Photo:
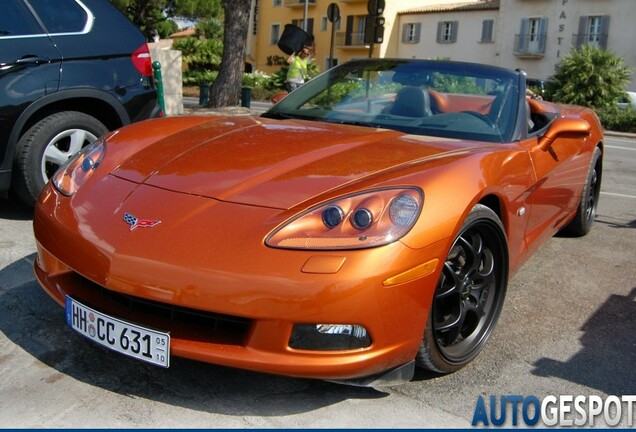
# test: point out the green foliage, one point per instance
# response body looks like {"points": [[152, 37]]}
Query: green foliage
{"points": [[151, 15], [197, 9], [199, 77], [278, 78], [211, 28], [455, 84], [146, 14], [256, 79], [260, 82], [200, 54], [589, 76], [336, 93], [166, 28], [619, 120]]}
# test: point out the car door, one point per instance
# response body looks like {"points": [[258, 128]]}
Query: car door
{"points": [[29, 64], [559, 170]]}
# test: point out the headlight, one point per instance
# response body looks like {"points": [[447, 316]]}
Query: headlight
{"points": [[78, 168], [357, 221]]}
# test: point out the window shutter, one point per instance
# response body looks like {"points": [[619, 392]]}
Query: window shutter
{"points": [[405, 33], [604, 31], [349, 29], [310, 26], [543, 26], [523, 36], [440, 31], [487, 27], [582, 36], [418, 30], [454, 28]]}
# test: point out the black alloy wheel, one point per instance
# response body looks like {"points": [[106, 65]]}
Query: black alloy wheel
{"points": [[586, 211], [469, 294]]}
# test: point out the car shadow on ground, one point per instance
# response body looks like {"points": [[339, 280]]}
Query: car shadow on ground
{"points": [[34, 322], [606, 361]]}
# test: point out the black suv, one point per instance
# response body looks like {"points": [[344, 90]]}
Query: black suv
{"points": [[70, 70]]}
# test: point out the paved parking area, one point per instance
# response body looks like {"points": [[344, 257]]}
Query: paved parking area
{"points": [[568, 328]]}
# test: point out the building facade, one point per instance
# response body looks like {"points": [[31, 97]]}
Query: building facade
{"points": [[533, 35], [269, 17]]}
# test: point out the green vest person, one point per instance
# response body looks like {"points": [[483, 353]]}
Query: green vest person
{"points": [[297, 72]]}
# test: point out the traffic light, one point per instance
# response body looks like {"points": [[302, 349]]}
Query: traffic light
{"points": [[374, 29]]}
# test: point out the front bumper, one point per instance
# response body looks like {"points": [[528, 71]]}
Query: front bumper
{"points": [[209, 257]]}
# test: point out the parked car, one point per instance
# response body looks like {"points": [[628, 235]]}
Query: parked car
{"points": [[366, 223], [628, 101], [537, 86], [70, 70]]}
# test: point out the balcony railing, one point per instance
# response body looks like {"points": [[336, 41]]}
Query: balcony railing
{"points": [[351, 40], [298, 3], [594, 39], [530, 45]]}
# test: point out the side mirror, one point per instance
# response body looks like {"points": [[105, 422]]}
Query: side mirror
{"points": [[566, 128]]}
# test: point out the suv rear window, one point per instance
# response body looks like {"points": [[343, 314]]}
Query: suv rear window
{"points": [[16, 20], [61, 16]]}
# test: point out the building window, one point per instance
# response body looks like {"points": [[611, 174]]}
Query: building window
{"points": [[447, 31], [310, 25], [354, 33], [593, 31], [274, 34], [324, 24], [487, 31], [411, 33], [278, 2], [532, 36]]}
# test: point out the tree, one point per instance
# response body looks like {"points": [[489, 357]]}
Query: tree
{"points": [[149, 15], [144, 13], [589, 76], [226, 88]]}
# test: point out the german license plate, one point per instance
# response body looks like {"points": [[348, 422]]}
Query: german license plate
{"points": [[127, 338]]}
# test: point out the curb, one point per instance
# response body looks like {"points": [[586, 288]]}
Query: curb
{"points": [[615, 134]]}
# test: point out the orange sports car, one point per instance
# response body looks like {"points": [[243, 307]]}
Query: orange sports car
{"points": [[366, 224]]}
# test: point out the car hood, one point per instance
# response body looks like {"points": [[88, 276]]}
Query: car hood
{"points": [[273, 163]]}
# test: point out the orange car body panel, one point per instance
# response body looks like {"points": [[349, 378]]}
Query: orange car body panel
{"points": [[217, 204]]}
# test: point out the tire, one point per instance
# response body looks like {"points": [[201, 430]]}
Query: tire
{"points": [[586, 210], [47, 145], [469, 295]]}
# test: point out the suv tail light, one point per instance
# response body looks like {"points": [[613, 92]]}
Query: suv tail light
{"points": [[142, 61]]}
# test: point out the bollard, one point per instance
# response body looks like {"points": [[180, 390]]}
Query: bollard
{"points": [[204, 94], [156, 67], [246, 96]]}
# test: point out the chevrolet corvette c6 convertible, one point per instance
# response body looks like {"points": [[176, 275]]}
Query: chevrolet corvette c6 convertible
{"points": [[366, 224]]}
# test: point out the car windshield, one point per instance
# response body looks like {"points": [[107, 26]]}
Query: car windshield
{"points": [[422, 97]]}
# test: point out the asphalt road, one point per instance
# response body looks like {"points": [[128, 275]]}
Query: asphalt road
{"points": [[568, 328]]}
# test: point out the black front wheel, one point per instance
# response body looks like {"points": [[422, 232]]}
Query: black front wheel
{"points": [[469, 294]]}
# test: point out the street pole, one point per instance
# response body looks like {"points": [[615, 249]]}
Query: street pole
{"points": [[333, 15]]}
